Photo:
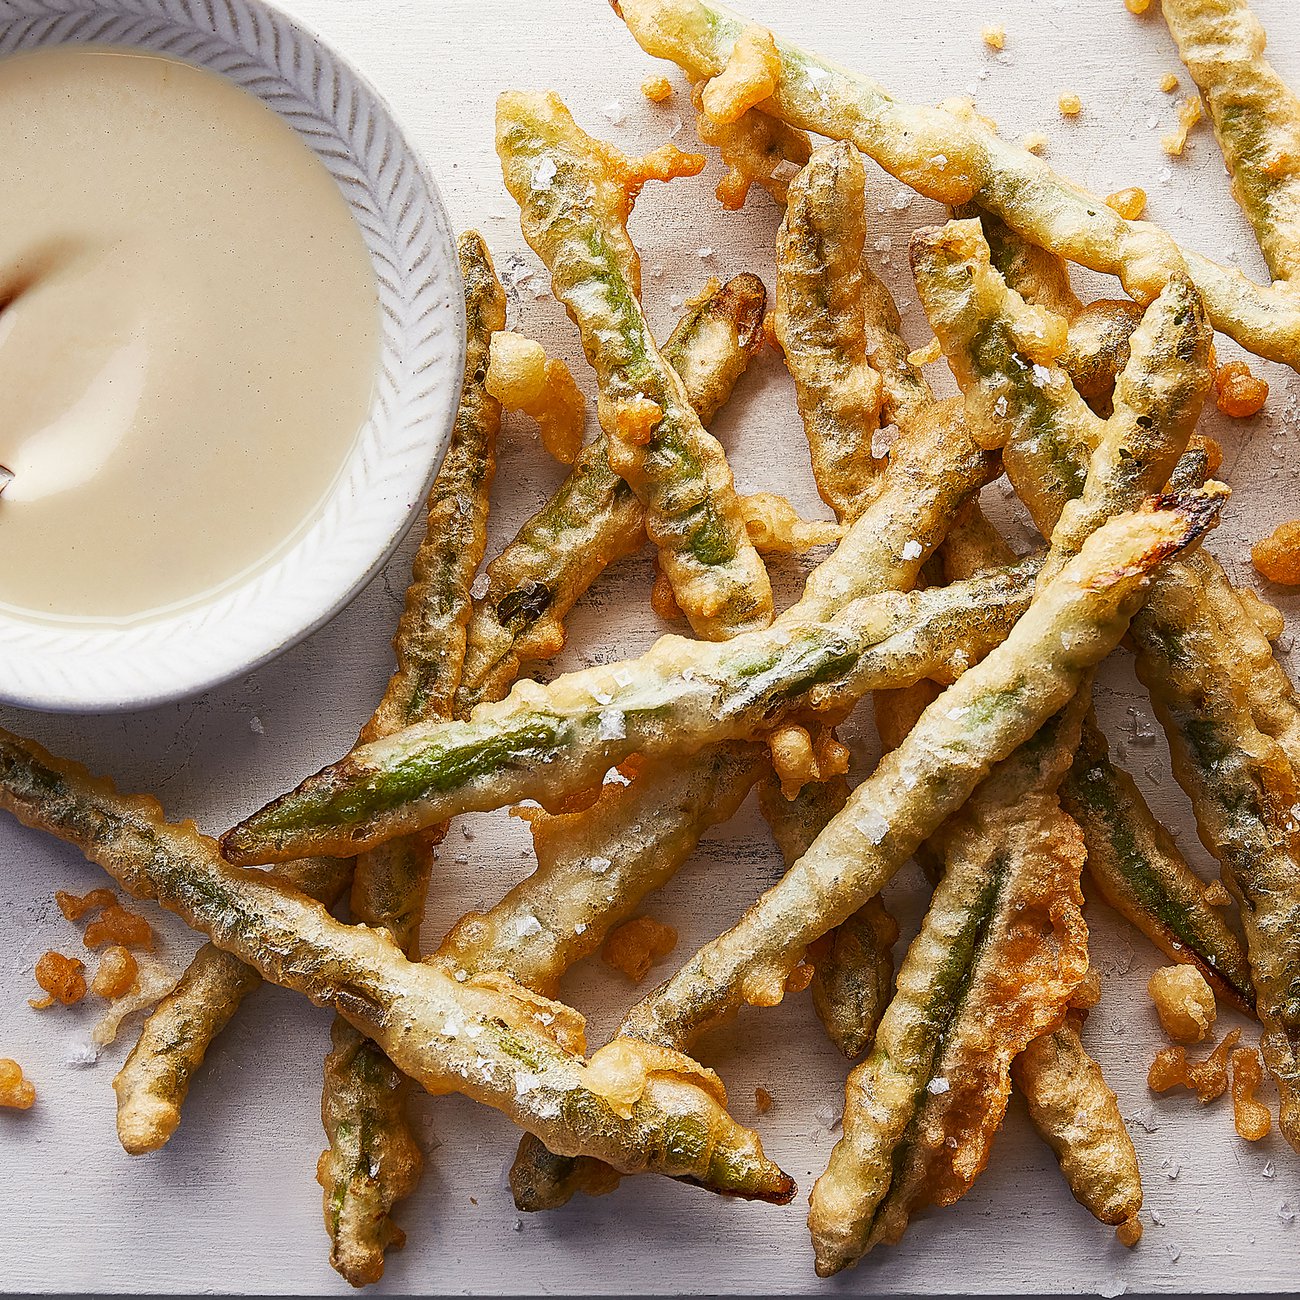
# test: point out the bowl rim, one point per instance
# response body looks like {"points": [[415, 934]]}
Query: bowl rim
{"points": [[383, 482]]}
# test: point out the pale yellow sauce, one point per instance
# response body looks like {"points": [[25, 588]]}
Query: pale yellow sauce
{"points": [[188, 334]]}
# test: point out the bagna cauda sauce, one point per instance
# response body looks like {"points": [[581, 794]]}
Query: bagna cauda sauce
{"points": [[188, 335]]}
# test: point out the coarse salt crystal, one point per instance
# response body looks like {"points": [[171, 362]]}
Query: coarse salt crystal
{"points": [[599, 865], [612, 726], [1000, 406], [82, 1054], [255, 726], [544, 172], [911, 550], [623, 676], [601, 697], [902, 200], [937, 1086], [1041, 374], [527, 925], [526, 1082], [613, 111], [479, 587], [461, 976], [872, 825], [940, 160], [705, 253], [580, 927]]}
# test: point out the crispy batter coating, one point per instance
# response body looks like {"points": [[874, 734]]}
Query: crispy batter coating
{"points": [[1207, 1078], [1000, 951], [1256, 119], [16, 1093], [1277, 556], [955, 160], [820, 321], [992, 709], [994, 35], [762, 1100], [116, 974], [522, 378], [1076, 1112], [62, 979], [1237, 392], [657, 89], [798, 759], [775, 527], [751, 74], [636, 1108], [1190, 111], [637, 945], [593, 518], [1070, 105], [574, 195], [1250, 1117], [74, 906], [756, 149], [1098, 349], [1183, 1002], [153, 980]]}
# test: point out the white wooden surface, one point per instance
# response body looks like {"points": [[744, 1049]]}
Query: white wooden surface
{"points": [[231, 1204]]}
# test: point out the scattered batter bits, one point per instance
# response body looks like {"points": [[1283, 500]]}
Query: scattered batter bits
{"points": [[1250, 1116], [657, 89], [994, 35], [62, 978], [1169, 83], [762, 1100], [117, 973], [1130, 203], [1129, 1233], [1184, 1003], [1035, 142], [75, 906], [1277, 557], [1137, 6], [637, 945], [16, 1093], [798, 758], [522, 378], [116, 925], [751, 75], [1069, 103], [1190, 111], [1208, 1078], [1237, 392]]}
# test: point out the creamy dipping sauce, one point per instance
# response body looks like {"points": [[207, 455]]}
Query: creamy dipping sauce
{"points": [[188, 334]]}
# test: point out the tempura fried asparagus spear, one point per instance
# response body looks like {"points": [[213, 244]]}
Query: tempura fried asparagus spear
{"points": [[487, 1038], [979, 720], [961, 159], [593, 517], [574, 196], [1243, 789], [548, 742], [373, 1159], [1074, 1109], [1001, 949], [594, 867], [853, 965], [155, 1079], [1256, 119], [820, 321], [1141, 874]]}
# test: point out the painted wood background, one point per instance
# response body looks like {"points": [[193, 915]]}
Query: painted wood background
{"points": [[231, 1204]]}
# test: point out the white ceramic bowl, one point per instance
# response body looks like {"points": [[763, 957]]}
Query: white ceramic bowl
{"points": [[397, 452]]}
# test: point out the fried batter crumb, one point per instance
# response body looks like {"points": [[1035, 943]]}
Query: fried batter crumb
{"points": [[1137, 6], [1216, 895], [16, 1093], [662, 599], [1208, 1078], [1129, 1233], [1250, 1116], [752, 73], [75, 906], [1277, 557], [762, 1100], [1237, 392], [522, 378], [1169, 83], [116, 974], [769, 333], [1189, 113], [775, 528], [1183, 1002], [994, 35], [118, 926], [657, 89], [924, 356], [637, 945], [1069, 104], [62, 978], [637, 418], [1130, 203], [799, 978], [1035, 142]]}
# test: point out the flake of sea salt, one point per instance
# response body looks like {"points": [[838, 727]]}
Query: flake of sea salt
{"points": [[937, 1086], [1174, 1252], [902, 200], [1286, 1212], [479, 587], [911, 550], [1157, 1218], [1145, 1119], [1269, 1170], [623, 676], [527, 925], [1165, 175], [255, 726], [612, 725], [599, 865], [82, 1054], [6, 477], [613, 112], [705, 253], [544, 172], [872, 825], [461, 859], [526, 1082]]}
